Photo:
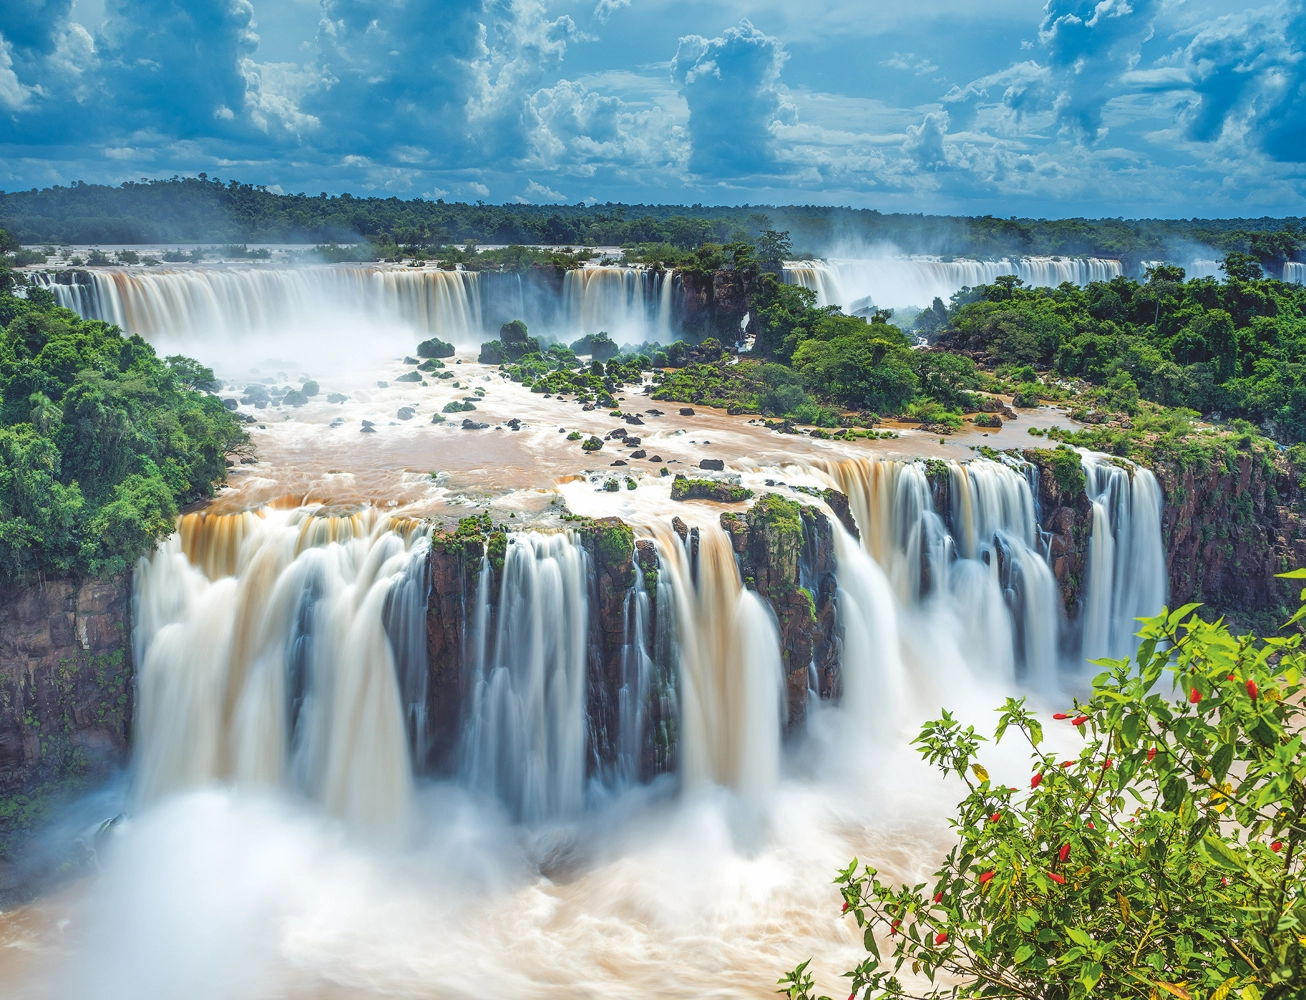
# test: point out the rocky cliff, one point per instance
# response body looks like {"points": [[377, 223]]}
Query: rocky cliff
{"points": [[66, 696]]}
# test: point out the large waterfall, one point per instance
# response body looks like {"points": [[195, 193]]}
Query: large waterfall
{"points": [[1294, 272], [276, 649], [461, 307], [855, 284]]}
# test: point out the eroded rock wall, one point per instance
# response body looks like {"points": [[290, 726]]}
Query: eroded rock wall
{"points": [[66, 693]]}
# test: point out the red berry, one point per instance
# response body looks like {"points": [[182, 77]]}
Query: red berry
{"points": [[1079, 720], [1058, 879], [1253, 690], [1151, 753], [1091, 826], [1230, 677], [1063, 853], [1061, 715], [986, 876], [1035, 781], [940, 937], [1277, 846], [995, 817], [1194, 696]]}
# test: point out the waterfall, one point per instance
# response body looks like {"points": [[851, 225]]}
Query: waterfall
{"points": [[731, 680], [630, 304], [1294, 272], [279, 648], [461, 307], [525, 735], [960, 545], [857, 284], [1126, 576]]}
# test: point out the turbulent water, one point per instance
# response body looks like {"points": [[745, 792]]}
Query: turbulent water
{"points": [[461, 307], [1294, 272], [856, 284], [287, 837]]}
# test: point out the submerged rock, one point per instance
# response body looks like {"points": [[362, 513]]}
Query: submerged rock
{"points": [[686, 411], [712, 464], [473, 425], [405, 413]]}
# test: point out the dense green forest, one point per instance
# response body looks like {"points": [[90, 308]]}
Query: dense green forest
{"points": [[100, 440], [202, 209]]}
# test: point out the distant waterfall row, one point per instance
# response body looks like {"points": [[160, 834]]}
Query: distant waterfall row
{"points": [[893, 282], [462, 307], [290, 648]]}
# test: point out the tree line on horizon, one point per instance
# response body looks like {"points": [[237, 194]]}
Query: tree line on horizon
{"points": [[208, 210]]}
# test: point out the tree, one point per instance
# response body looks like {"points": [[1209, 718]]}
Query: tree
{"points": [[1241, 267], [1164, 860], [773, 247]]}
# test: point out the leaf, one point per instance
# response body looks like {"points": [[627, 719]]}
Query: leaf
{"points": [[1176, 990], [980, 772], [1221, 760], [1250, 992], [1091, 973], [1219, 853], [1124, 906], [1023, 953], [1222, 991], [1080, 937]]}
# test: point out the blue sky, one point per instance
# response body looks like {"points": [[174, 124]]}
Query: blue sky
{"points": [[1120, 107]]}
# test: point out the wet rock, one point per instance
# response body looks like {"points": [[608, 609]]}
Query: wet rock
{"points": [[473, 425], [338, 422], [656, 458], [619, 434], [588, 407], [654, 413], [632, 418], [412, 361], [437, 418], [230, 404], [368, 423], [383, 385], [680, 528], [260, 404], [620, 461], [367, 430], [410, 377], [686, 411], [632, 442], [640, 453], [515, 424], [310, 388], [714, 464], [406, 413]]}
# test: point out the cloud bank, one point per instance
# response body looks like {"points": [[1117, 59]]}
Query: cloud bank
{"points": [[1107, 107]]}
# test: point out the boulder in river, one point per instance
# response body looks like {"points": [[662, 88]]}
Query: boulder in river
{"points": [[714, 464], [473, 425], [230, 404], [405, 413], [686, 411]]}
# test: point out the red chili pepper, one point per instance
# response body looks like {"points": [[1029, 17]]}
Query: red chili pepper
{"points": [[1060, 715], [1277, 846], [1194, 696], [845, 908], [1230, 677], [1067, 763], [1063, 853], [995, 817], [1035, 781], [1224, 881], [1151, 754], [940, 937], [1079, 720], [1106, 766], [1058, 879], [938, 896], [893, 928], [986, 876], [1253, 690]]}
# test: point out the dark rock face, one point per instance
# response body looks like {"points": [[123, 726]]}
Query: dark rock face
{"points": [[1067, 517], [1230, 524], [66, 695], [786, 554], [711, 304]]}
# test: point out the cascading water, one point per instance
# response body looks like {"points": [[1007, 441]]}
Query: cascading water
{"points": [[525, 735], [461, 307], [1126, 576], [1294, 272], [966, 552], [731, 678], [857, 284], [630, 304], [278, 649]]}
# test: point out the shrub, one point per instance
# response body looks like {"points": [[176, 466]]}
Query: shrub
{"points": [[1164, 859], [434, 348]]}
